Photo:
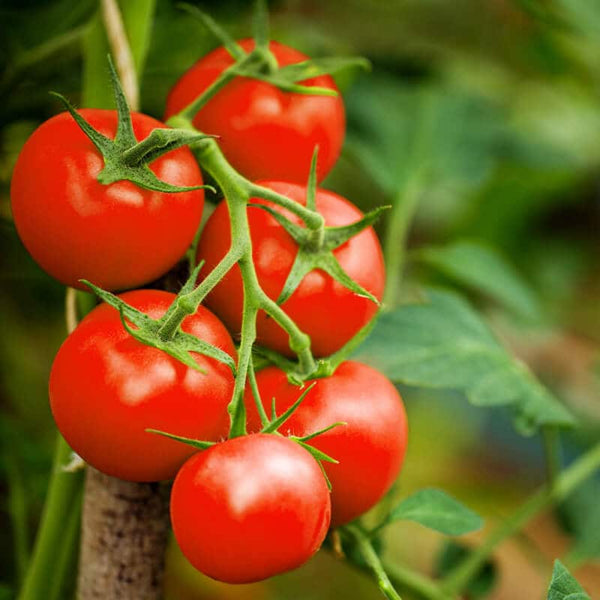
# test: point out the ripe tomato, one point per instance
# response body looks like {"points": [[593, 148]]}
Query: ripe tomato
{"points": [[106, 388], [323, 308], [264, 132], [118, 235], [370, 447], [249, 508]]}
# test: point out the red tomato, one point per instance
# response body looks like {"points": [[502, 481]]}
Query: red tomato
{"points": [[106, 388], [264, 132], [249, 508], [323, 308], [118, 235], [370, 448]]}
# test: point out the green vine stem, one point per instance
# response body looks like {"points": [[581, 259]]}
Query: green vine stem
{"points": [[61, 501], [237, 191], [551, 441], [363, 544], [406, 201], [566, 483], [404, 577]]}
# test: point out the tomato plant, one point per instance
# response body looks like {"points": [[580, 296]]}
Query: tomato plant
{"points": [[297, 275], [250, 508], [319, 301], [117, 235], [265, 133], [372, 441], [107, 388]]}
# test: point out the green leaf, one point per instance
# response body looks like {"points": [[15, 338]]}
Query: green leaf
{"points": [[484, 269], [437, 510], [443, 343], [564, 586]]}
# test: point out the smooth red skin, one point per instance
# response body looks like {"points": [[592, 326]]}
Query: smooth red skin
{"points": [[106, 388], [321, 307], [370, 448], [250, 508], [117, 236], [265, 133]]}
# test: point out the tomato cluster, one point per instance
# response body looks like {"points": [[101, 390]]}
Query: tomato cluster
{"points": [[255, 505]]}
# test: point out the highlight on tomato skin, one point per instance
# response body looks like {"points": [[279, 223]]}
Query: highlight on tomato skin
{"points": [[250, 508], [323, 308], [265, 133], [118, 236], [106, 388], [370, 448]]}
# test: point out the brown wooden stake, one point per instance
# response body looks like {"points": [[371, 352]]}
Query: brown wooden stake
{"points": [[125, 527]]}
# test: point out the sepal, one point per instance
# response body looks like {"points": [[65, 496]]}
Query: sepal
{"points": [[147, 331]]}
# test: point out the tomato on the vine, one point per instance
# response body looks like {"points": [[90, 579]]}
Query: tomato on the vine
{"points": [[107, 388], [370, 447], [264, 132], [250, 508], [321, 307], [118, 235]]}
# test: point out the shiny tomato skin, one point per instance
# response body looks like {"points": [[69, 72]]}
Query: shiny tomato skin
{"points": [[265, 133], [250, 508], [106, 388], [323, 308], [117, 236], [370, 448]]}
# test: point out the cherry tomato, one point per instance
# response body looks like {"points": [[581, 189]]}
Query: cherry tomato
{"points": [[106, 389], [370, 447], [323, 308], [249, 508], [264, 132], [116, 236]]}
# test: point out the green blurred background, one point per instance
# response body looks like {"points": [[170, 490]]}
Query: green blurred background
{"points": [[510, 162]]}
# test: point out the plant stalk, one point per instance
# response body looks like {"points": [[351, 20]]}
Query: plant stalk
{"points": [[61, 501], [406, 203], [372, 560]]}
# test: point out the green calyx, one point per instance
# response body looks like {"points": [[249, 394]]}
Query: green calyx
{"points": [[316, 245], [165, 333], [315, 251], [261, 64], [271, 426], [124, 157]]}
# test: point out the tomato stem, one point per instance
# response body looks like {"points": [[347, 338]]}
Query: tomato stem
{"points": [[190, 111], [187, 304], [264, 419], [237, 191], [312, 219], [372, 559]]}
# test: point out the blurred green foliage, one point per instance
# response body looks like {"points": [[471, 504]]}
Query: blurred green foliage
{"points": [[495, 102]]}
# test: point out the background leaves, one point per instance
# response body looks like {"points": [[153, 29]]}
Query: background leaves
{"points": [[443, 343]]}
